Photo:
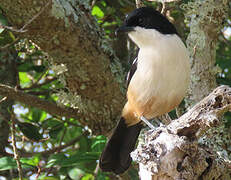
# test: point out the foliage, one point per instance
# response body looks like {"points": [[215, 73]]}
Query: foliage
{"points": [[41, 137]]}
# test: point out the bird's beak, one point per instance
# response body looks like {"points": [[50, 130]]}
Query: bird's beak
{"points": [[124, 29]]}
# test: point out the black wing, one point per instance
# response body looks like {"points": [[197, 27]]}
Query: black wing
{"points": [[131, 72]]}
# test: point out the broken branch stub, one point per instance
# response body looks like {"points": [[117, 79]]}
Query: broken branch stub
{"points": [[172, 152]]}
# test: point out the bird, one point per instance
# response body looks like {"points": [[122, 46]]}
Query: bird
{"points": [[157, 82]]}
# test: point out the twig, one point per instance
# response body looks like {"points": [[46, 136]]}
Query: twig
{"points": [[37, 15], [12, 29], [22, 30], [41, 76], [37, 85], [10, 44], [3, 99], [16, 155], [93, 3], [96, 169], [62, 137], [163, 10], [39, 172], [59, 148], [55, 149], [39, 93]]}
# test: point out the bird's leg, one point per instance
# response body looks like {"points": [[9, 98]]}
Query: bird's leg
{"points": [[142, 118]]}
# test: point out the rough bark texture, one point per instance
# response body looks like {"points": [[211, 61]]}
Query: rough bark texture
{"points": [[206, 22], [173, 152], [69, 34], [33, 101]]}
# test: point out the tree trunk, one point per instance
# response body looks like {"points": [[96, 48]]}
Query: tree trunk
{"points": [[70, 35], [206, 22]]}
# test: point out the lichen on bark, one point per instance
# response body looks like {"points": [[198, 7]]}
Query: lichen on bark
{"points": [[94, 72], [205, 22]]}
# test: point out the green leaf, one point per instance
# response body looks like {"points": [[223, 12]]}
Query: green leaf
{"points": [[88, 177], [102, 176], [76, 174], [25, 67], [33, 161], [37, 114], [49, 123], [6, 37], [84, 144], [23, 78], [38, 68], [98, 143], [30, 131], [96, 11], [49, 178], [54, 126], [82, 157], [56, 159], [54, 131], [7, 163], [84, 161], [73, 131]]}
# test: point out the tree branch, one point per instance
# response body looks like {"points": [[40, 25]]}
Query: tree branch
{"points": [[37, 85], [70, 35], [170, 152], [23, 29], [34, 101], [16, 155]]}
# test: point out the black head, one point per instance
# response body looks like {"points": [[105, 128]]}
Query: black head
{"points": [[148, 18]]}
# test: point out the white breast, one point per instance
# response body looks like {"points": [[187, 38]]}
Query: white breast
{"points": [[163, 71]]}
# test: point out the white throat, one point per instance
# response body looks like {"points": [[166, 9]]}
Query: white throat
{"points": [[145, 37]]}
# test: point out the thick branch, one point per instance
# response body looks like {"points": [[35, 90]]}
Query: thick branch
{"points": [[204, 115], [173, 152], [34, 101], [70, 35]]}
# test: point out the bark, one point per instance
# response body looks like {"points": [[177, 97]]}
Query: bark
{"points": [[173, 152], [33, 101], [70, 35], [206, 21]]}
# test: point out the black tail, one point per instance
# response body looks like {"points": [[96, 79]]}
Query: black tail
{"points": [[116, 155]]}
